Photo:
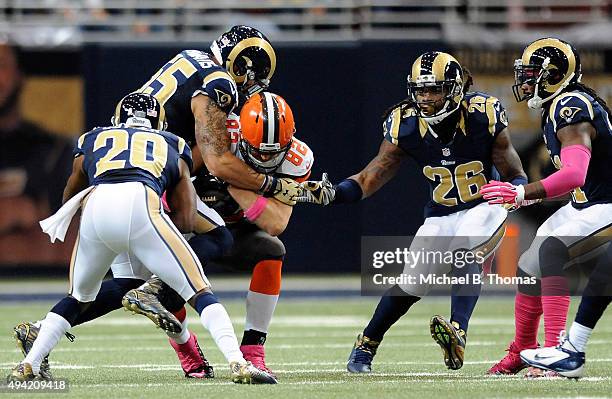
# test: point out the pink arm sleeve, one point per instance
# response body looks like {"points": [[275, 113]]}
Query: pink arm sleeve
{"points": [[575, 163]]}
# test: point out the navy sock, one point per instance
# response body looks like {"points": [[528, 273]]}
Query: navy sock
{"points": [[108, 299], [212, 245], [591, 309], [465, 296], [203, 300], [69, 308], [393, 305], [597, 293]]}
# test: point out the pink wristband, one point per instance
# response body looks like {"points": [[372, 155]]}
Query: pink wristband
{"points": [[575, 164], [164, 201], [256, 209]]}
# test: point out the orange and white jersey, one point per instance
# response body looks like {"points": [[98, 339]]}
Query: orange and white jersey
{"points": [[298, 160]]}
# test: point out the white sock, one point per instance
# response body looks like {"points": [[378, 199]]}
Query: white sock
{"points": [[579, 336], [216, 320], [181, 337], [51, 331], [259, 311]]}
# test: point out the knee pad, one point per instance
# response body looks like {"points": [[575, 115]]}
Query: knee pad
{"points": [[553, 255], [528, 289], [270, 248]]}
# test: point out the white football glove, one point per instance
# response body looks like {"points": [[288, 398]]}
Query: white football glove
{"points": [[320, 192]]}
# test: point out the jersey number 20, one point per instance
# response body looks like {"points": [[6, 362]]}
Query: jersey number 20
{"points": [[154, 162]]}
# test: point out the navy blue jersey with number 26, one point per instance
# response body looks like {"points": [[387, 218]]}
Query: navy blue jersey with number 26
{"points": [[120, 154]]}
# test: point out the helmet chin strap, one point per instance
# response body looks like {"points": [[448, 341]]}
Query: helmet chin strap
{"points": [[434, 120], [536, 101]]}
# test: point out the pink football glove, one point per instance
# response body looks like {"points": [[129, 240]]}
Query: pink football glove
{"points": [[499, 192]]}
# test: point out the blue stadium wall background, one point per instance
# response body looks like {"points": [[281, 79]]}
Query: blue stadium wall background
{"points": [[338, 92]]}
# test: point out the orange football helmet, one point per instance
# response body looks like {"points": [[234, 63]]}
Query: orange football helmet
{"points": [[267, 129]]}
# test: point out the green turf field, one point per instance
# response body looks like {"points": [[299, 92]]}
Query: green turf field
{"points": [[124, 356]]}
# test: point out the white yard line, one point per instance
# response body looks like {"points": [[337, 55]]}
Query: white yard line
{"points": [[320, 321], [277, 346]]}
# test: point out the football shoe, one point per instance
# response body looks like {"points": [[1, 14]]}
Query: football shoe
{"points": [[451, 339], [193, 362], [22, 372], [360, 359], [25, 334], [564, 358], [536, 372], [246, 373], [509, 364], [147, 304], [257, 356]]}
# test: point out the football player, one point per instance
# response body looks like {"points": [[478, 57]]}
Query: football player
{"points": [[119, 175], [578, 136], [456, 137], [197, 90], [264, 138]]}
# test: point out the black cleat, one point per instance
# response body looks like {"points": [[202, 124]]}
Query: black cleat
{"points": [[451, 339], [25, 334], [360, 359], [146, 304], [22, 372]]}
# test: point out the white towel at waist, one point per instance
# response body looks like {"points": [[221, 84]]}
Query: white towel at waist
{"points": [[57, 224]]}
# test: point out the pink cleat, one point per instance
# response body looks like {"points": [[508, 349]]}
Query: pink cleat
{"points": [[192, 359], [256, 355], [534, 372], [510, 364]]}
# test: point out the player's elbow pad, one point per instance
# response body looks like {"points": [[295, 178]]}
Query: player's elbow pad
{"points": [[575, 164]]}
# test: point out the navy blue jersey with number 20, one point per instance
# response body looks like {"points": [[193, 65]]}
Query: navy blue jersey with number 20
{"points": [[120, 154]]}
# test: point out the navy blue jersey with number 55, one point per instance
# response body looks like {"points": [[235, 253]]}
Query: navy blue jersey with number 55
{"points": [[120, 154], [190, 73]]}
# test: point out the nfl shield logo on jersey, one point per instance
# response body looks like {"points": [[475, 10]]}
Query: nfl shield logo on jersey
{"points": [[446, 152]]}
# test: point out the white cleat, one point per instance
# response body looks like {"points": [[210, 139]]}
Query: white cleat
{"points": [[563, 358]]}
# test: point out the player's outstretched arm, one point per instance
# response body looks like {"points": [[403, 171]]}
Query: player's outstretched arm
{"points": [[182, 200], [575, 156], [214, 144], [365, 183], [381, 169], [77, 181], [268, 214]]}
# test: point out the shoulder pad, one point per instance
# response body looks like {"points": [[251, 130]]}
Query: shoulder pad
{"points": [[486, 110], [402, 122], [571, 108], [200, 57], [221, 88]]}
